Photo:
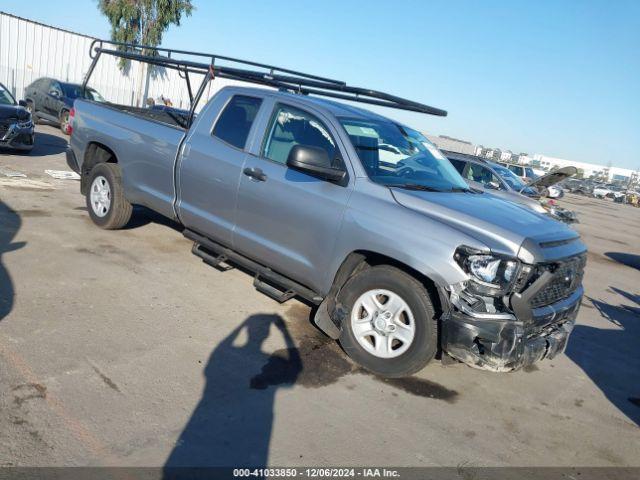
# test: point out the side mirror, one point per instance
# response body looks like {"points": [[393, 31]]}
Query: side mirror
{"points": [[22, 103], [493, 185], [314, 161]]}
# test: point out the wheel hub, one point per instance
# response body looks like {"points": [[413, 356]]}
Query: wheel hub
{"points": [[382, 323]]}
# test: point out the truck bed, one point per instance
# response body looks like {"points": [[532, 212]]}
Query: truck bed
{"points": [[169, 116]]}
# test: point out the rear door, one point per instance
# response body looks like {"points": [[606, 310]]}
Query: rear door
{"points": [[211, 164], [287, 219]]}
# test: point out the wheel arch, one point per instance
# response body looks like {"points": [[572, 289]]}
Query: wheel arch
{"points": [[95, 153], [360, 260]]}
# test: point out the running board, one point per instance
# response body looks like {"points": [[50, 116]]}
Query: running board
{"points": [[279, 287], [269, 290], [219, 262]]}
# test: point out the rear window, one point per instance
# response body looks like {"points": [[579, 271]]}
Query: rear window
{"points": [[236, 119]]}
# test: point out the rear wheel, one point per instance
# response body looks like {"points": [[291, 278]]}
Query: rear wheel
{"points": [[64, 122], [105, 200], [391, 327]]}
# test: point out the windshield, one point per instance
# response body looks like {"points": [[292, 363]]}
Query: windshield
{"points": [[5, 96], [393, 155], [508, 176], [75, 91]]}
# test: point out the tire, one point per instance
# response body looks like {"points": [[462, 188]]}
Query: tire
{"points": [[31, 108], [105, 200], [403, 358], [64, 121]]}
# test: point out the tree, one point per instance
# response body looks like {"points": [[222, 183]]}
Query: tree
{"points": [[143, 22]]}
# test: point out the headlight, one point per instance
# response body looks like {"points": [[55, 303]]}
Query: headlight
{"points": [[490, 274]]}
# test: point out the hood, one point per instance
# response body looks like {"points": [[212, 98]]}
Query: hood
{"points": [[501, 225], [554, 177], [13, 112]]}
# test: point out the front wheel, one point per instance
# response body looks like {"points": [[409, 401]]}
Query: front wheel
{"points": [[391, 327], [106, 204], [31, 109]]}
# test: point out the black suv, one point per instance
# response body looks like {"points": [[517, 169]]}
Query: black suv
{"points": [[52, 100]]}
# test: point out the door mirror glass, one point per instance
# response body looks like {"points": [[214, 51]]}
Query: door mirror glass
{"points": [[493, 185], [22, 103], [314, 161]]}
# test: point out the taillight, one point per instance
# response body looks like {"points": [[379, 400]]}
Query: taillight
{"points": [[72, 113]]}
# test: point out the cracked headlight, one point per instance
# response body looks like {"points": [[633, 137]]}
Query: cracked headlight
{"points": [[489, 274]]}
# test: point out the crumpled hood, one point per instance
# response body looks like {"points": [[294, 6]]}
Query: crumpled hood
{"points": [[13, 112], [501, 225]]}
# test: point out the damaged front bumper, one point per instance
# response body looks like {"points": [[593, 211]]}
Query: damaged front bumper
{"points": [[17, 138], [503, 344]]}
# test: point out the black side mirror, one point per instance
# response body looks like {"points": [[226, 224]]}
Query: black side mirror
{"points": [[314, 161], [22, 103]]}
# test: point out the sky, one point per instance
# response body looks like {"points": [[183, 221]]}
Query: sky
{"points": [[560, 78]]}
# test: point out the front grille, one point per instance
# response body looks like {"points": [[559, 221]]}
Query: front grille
{"points": [[567, 277]]}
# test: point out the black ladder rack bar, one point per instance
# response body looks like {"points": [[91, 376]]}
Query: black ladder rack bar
{"points": [[280, 78]]}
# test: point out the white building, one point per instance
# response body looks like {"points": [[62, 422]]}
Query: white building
{"points": [[607, 173]]}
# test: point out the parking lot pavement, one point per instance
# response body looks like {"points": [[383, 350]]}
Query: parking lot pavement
{"points": [[122, 348]]}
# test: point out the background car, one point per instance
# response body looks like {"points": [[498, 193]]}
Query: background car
{"points": [[52, 100], [524, 172], [16, 126], [504, 183], [576, 185]]}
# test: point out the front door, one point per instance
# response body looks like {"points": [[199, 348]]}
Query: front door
{"points": [[287, 219]]}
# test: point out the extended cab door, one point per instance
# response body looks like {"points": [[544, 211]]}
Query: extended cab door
{"points": [[287, 219], [211, 164]]}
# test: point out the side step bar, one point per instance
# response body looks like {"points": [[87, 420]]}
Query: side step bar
{"points": [[266, 281]]}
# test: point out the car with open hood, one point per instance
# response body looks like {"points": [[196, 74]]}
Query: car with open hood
{"points": [[16, 126], [499, 181]]}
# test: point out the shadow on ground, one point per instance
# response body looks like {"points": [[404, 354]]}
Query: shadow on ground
{"points": [[628, 259], [231, 426], [610, 356], [9, 225], [47, 144]]}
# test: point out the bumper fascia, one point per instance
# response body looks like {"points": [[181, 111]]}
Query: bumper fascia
{"points": [[503, 345], [18, 139], [72, 162]]}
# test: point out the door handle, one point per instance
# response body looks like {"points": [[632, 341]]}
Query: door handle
{"points": [[255, 173]]}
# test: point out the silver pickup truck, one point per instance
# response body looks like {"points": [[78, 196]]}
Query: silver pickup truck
{"points": [[353, 212]]}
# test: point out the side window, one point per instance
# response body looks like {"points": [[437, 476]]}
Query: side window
{"points": [[55, 86], [291, 126], [458, 164], [236, 119], [483, 175]]}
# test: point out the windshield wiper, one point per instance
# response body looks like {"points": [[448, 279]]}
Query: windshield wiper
{"points": [[414, 186]]}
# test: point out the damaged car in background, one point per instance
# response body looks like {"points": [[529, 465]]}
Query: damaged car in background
{"points": [[16, 126], [354, 212], [500, 181]]}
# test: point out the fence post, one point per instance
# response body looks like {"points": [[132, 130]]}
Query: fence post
{"points": [[13, 81]]}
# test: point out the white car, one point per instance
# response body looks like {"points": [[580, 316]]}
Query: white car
{"points": [[555, 191], [603, 191]]}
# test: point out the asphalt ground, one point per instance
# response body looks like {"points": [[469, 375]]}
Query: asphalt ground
{"points": [[122, 348]]}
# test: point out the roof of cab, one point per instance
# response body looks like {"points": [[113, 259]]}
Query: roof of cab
{"points": [[336, 108]]}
